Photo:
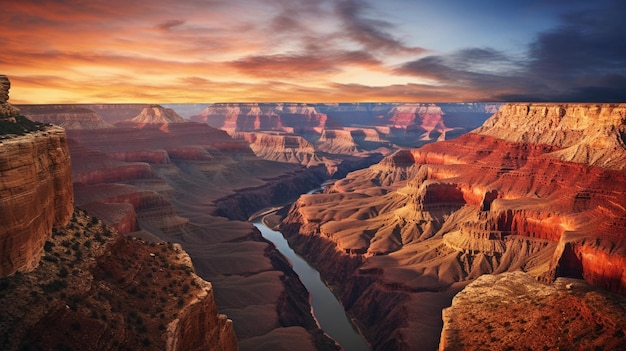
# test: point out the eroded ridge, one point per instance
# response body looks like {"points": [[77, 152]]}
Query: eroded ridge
{"points": [[539, 188]]}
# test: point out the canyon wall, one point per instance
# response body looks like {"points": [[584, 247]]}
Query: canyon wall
{"points": [[36, 191], [82, 285], [95, 289], [195, 185], [515, 194]]}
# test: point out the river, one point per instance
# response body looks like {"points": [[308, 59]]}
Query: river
{"points": [[326, 308]]}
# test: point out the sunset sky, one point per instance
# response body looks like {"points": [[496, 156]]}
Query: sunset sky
{"points": [[163, 51]]}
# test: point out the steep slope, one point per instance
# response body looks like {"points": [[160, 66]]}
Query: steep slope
{"points": [[192, 184], [248, 117], [98, 290], [157, 114], [413, 230], [35, 186], [81, 285]]}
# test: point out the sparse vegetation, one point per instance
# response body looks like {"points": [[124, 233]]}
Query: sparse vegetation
{"points": [[21, 126]]}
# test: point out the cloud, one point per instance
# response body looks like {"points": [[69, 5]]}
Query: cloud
{"points": [[373, 34], [581, 59], [169, 24], [304, 64]]}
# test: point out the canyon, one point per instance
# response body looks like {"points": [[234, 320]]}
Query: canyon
{"points": [[69, 281], [467, 209], [539, 188]]}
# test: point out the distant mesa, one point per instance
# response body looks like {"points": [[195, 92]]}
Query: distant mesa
{"points": [[66, 116], [158, 114]]}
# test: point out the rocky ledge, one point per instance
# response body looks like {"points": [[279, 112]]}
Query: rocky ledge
{"points": [[568, 314]]}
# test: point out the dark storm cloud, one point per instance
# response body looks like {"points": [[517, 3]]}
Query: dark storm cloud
{"points": [[582, 59]]}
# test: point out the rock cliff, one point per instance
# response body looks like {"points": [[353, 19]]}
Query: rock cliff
{"points": [[191, 183], [412, 230], [36, 191], [251, 117], [95, 289]]}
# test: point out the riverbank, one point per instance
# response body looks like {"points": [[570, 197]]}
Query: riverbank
{"points": [[326, 308]]}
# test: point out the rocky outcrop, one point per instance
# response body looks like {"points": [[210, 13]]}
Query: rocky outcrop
{"points": [[36, 191], [425, 222], [585, 133], [157, 114], [251, 117], [95, 289], [568, 314], [185, 183], [283, 148], [8, 112], [66, 116]]}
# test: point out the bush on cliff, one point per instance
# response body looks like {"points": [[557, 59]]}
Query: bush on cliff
{"points": [[21, 126]]}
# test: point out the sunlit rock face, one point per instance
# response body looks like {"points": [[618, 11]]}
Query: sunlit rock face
{"points": [[514, 311], [539, 188], [195, 185], [250, 117], [36, 191], [157, 114]]}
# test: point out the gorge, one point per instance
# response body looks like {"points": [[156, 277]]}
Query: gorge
{"points": [[430, 205]]}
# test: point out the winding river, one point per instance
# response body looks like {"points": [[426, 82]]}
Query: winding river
{"points": [[326, 308]]}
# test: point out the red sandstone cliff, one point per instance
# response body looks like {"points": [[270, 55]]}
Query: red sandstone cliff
{"points": [[515, 194], [36, 191]]}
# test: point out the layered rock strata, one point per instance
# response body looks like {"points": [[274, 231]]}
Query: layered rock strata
{"points": [[36, 191], [65, 116], [95, 289], [413, 230], [182, 182]]}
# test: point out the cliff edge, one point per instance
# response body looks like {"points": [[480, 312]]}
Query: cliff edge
{"points": [[36, 191]]}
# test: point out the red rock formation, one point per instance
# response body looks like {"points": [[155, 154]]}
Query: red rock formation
{"points": [[512, 195], [255, 117], [66, 116], [514, 311], [157, 114], [36, 191], [36, 194], [97, 290]]}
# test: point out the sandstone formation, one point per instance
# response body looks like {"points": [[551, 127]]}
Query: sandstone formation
{"points": [[250, 117], [95, 289], [568, 314], [413, 230], [35, 187], [66, 116], [157, 114], [8, 112], [190, 183]]}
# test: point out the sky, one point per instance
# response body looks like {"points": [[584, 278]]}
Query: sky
{"points": [[203, 51]]}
